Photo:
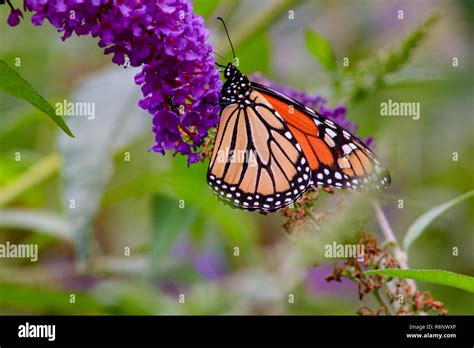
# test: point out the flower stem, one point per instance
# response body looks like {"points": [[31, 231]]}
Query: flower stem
{"points": [[387, 231], [381, 301], [33, 176]]}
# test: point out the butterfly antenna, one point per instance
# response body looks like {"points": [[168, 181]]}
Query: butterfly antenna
{"points": [[227, 32], [217, 54]]}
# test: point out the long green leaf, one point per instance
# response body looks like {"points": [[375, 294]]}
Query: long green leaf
{"points": [[12, 83], [321, 49], [435, 276], [87, 162], [420, 224]]}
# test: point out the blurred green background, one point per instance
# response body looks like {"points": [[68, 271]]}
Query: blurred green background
{"points": [[145, 229]]}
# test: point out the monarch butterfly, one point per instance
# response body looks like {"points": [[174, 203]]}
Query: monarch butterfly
{"points": [[288, 148]]}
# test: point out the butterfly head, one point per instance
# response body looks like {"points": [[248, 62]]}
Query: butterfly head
{"points": [[237, 86], [231, 71]]}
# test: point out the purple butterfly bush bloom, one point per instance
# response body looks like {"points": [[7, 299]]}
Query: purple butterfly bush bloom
{"points": [[179, 81]]}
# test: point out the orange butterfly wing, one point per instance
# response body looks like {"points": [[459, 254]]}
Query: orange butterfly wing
{"points": [[336, 157], [256, 163]]}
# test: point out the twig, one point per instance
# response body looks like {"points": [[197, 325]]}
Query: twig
{"points": [[387, 231], [381, 301]]}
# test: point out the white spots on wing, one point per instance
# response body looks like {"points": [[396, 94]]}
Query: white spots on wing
{"points": [[309, 110], [278, 115], [330, 132], [330, 123], [347, 149]]}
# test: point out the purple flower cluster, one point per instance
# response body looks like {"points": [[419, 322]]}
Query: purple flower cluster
{"points": [[178, 79], [210, 264], [316, 102]]}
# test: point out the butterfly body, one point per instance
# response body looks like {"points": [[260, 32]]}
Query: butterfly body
{"points": [[270, 149]]}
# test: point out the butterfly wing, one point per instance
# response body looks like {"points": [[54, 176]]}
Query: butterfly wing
{"points": [[336, 157], [257, 164]]}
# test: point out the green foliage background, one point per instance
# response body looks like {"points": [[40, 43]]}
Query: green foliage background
{"points": [[135, 204]]}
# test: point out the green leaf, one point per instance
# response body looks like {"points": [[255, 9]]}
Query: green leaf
{"points": [[87, 161], [435, 276], [171, 217], [420, 224], [39, 221], [321, 49], [398, 57], [371, 74], [12, 83]]}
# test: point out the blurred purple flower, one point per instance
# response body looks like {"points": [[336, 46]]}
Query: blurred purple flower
{"points": [[316, 282], [208, 262], [178, 79]]}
